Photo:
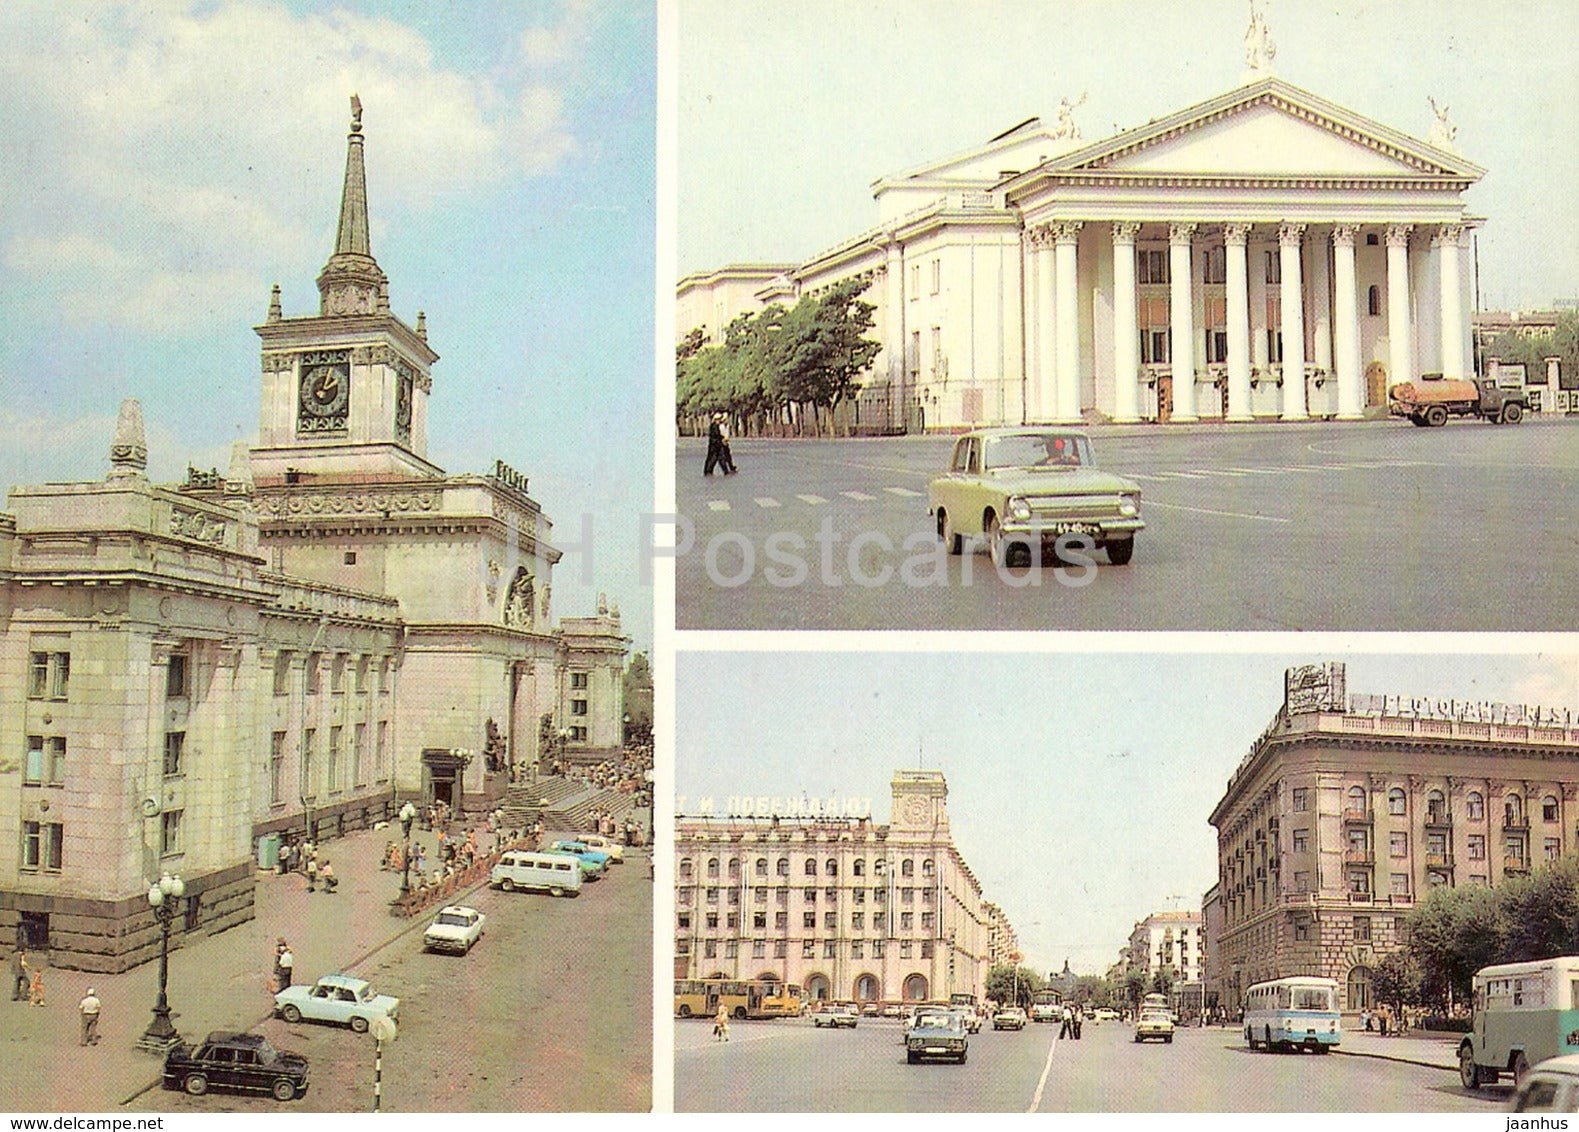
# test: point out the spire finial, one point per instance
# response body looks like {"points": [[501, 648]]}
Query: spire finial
{"points": [[275, 314], [422, 325], [129, 450], [238, 481], [351, 283], [356, 114]]}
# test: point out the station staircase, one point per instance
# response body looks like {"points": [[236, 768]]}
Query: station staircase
{"points": [[563, 804]]}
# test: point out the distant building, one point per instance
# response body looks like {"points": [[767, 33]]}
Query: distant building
{"points": [[843, 907], [1003, 942], [1175, 942], [1350, 806]]}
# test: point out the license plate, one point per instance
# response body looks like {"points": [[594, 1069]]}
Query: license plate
{"points": [[1075, 529]]}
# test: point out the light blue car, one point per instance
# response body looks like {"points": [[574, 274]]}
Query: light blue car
{"points": [[341, 999], [588, 856]]}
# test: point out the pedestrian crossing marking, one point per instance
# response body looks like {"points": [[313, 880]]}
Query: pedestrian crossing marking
{"points": [[718, 505], [812, 499], [768, 502], [859, 496], [905, 491]]}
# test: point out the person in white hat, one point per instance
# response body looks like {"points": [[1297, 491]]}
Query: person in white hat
{"points": [[89, 1006]]}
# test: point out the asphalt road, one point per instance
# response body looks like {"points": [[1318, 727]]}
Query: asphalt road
{"points": [[789, 1066], [1380, 526], [549, 1012]]}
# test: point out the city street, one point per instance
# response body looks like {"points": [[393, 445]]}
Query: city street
{"points": [[790, 1066], [1377, 526]]}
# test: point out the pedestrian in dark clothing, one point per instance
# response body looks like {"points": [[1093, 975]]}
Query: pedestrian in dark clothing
{"points": [[20, 978], [715, 446], [728, 461]]}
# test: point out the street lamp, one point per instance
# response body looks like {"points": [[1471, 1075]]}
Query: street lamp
{"points": [[163, 897], [408, 814]]}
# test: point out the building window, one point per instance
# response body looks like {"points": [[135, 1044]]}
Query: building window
{"points": [[879, 921], [915, 283], [906, 921], [1216, 346], [1435, 808], [808, 920], [1549, 808], [1301, 929], [282, 672], [682, 947], [712, 921], [314, 673], [337, 674], [781, 921], [710, 949], [277, 767], [809, 895], [937, 275], [858, 868], [907, 868], [685, 868], [1301, 881], [879, 895], [384, 681], [1359, 882], [830, 894], [759, 948], [860, 895], [1274, 267], [731, 949], [1274, 346], [830, 921], [1554, 848], [358, 745], [928, 868], [309, 740], [1302, 841], [1475, 806], [50, 675], [781, 949], [578, 681], [174, 750], [830, 867], [811, 867], [857, 949], [907, 896], [808, 949], [170, 832], [175, 676], [1373, 301], [781, 897], [1397, 804], [334, 759], [1152, 266], [712, 868], [1301, 799], [381, 751], [1214, 265], [762, 866], [733, 868], [364, 663], [928, 920], [578, 707], [1400, 883], [43, 845], [1477, 847], [857, 921], [879, 948], [734, 898], [782, 868], [684, 920], [1398, 844], [906, 949], [926, 949]]}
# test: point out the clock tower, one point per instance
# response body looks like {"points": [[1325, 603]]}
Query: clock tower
{"points": [[345, 391], [920, 801]]}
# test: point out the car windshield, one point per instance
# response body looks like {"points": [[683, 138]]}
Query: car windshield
{"points": [[454, 919], [366, 994], [267, 1054], [1038, 450], [942, 1020], [1311, 998]]}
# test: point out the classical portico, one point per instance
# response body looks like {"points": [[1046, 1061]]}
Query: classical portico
{"points": [[1254, 256]]}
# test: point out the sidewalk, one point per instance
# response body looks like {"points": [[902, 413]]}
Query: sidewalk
{"points": [[1431, 1049], [217, 983]]}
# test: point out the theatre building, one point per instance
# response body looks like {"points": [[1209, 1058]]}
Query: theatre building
{"points": [[1264, 254], [1350, 807], [845, 908], [291, 647]]}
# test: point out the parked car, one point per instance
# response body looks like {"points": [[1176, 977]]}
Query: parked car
{"points": [[341, 999], [937, 1034], [615, 851], [1154, 1024], [559, 874], [968, 1018], [1105, 1015], [232, 1062], [1016, 487], [1009, 1018], [893, 1010], [839, 1014], [871, 1009], [584, 852], [590, 869], [455, 928], [1552, 1086]]}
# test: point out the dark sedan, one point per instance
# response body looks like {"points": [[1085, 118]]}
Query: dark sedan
{"points": [[243, 1063]]}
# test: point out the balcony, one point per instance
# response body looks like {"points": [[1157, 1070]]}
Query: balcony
{"points": [[1438, 819], [1443, 861], [1515, 823], [1359, 898], [1359, 857], [1515, 865], [1357, 817]]}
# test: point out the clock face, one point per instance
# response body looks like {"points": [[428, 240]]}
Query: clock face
{"points": [[325, 390], [916, 809]]}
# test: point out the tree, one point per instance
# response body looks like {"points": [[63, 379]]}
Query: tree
{"points": [[1397, 980], [1162, 982], [1003, 986], [1135, 986], [1533, 350]]}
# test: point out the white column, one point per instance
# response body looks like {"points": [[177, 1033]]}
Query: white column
{"points": [[1046, 331], [1346, 324], [1181, 321], [1446, 240], [1259, 352], [1400, 332], [1291, 306], [1321, 314], [1126, 325], [894, 333], [1235, 238], [1066, 236]]}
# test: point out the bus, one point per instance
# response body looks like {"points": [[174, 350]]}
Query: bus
{"points": [[962, 998], [1155, 1001], [1522, 1013], [1047, 1006], [741, 998], [1300, 1012]]}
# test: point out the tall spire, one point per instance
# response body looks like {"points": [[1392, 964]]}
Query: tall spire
{"points": [[352, 283]]}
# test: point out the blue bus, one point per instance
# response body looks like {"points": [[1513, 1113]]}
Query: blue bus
{"points": [[1300, 1012]]}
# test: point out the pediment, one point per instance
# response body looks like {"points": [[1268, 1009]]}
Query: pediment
{"points": [[1268, 129]]}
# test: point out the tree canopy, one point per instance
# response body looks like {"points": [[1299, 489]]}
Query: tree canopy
{"points": [[1002, 985], [1533, 350]]}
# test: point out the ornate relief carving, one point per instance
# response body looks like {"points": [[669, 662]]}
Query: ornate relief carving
{"points": [[1343, 235], [275, 362], [520, 601], [356, 503], [1181, 234], [1236, 235], [1125, 231], [1066, 231], [1290, 235], [547, 590], [1397, 235], [361, 355], [1448, 234], [197, 526]]}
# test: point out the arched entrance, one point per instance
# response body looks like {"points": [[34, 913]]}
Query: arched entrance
{"points": [[1360, 993], [1376, 384], [868, 989], [817, 988], [915, 988]]}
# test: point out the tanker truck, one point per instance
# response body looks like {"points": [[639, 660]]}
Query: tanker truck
{"points": [[1431, 400]]}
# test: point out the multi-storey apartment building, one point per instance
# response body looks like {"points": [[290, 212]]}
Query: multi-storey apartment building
{"points": [[1349, 807], [1176, 942], [1003, 942], [843, 907]]}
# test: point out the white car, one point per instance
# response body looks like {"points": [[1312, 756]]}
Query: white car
{"points": [[455, 928], [1154, 1024], [1552, 1086], [341, 999], [615, 851]]}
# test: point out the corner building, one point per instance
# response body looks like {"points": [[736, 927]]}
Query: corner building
{"points": [[1264, 254], [1350, 806], [292, 647], [844, 908]]}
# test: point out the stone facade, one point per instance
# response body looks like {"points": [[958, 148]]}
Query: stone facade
{"points": [[840, 906], [292, 647], [1350, 806]]}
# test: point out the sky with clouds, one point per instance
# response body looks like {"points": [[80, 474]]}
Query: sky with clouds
{"points": [[1079, 783], [168, 161], [788, 112]]}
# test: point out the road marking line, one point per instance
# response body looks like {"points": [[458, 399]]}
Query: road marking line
{"points": [[1041, 1086], [718, 505], [905, 491], [811, 499], [1183, 475], [858, 495], [1209, 511], [1260, 471], [768, 502]]}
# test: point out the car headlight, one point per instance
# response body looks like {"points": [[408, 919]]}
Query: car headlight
{"points": [[1129, 505], [1019, 508]]}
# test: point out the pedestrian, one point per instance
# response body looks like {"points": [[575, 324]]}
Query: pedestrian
{"points": [[1079, 1020], [715, 444], [326, 874], [312, 872], [20, 979], [1365, 1019], [1067, 1028], [285, 964], [728, 462], [721, 1024], [284, 862], [1381, 1019], [89, 1007], [36, 987]]}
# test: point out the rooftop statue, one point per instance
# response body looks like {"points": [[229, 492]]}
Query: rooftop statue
{"points": [[1443, 135], [1066, 127], [1260, 50]]}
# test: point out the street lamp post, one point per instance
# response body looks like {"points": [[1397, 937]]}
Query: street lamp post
{"points": [[163, 897], [408, 814]]}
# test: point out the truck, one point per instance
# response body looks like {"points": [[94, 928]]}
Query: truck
{"points": [[1523, 1013], [1431, 400]]}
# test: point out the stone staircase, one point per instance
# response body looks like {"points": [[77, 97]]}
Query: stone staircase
{"points": [[564, 804]]}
